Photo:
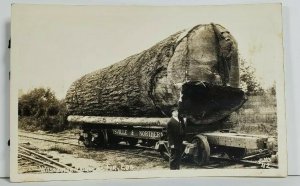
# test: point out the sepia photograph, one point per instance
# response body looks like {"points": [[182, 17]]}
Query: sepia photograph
{"points": [[100, 92]]}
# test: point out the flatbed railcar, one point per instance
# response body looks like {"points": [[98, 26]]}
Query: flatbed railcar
{"points": [[199, 144]]}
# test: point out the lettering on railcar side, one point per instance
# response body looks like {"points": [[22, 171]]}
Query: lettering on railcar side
{"points": [[121, 132], [150, 134]]}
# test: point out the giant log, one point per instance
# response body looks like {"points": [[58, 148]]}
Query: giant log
{"points": [[198, 67]]}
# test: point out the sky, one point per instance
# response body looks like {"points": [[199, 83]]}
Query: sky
{"points": [[52, 46]]}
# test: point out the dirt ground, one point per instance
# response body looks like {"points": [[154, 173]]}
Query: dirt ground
{"points": [[92, 160]]}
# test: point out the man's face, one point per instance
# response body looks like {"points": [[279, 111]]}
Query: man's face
{"points": [[175, 113]]}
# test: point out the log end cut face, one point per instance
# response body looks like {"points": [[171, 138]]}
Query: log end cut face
{"points": [[150, 84], [205, 103]]}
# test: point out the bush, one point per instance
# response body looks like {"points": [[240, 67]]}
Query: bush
{"points": [[29, 123], [41, 110], [249, 82]]}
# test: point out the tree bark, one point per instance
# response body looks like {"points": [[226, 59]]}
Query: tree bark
{"points": [[148, 84]]}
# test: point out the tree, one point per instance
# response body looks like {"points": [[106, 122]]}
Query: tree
{"points": [[40, 109], [148, 84], [38, 102], [249, 82], [272, 89]]}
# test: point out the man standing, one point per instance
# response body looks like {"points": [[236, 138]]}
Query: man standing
{"points": [[175, 131]]}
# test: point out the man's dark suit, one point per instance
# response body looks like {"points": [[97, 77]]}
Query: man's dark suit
{"points": [[175, 132]]}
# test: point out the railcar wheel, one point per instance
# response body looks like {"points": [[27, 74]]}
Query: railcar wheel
{"points": [[132, 141], [111, 139], [164, 154], [101, 140], [87, 141], [201, 152], [236, 153]]}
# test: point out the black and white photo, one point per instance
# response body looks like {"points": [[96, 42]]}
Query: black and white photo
{"points": [[143, 91]]}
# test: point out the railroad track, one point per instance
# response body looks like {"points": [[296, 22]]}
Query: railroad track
{"points": [[113, 151], [245, 163], [38, 162], [50, 135], [49, 140]]}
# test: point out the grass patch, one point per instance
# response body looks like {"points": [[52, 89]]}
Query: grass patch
{"points": [[62, 150], [257, 128], [258, 116]]}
